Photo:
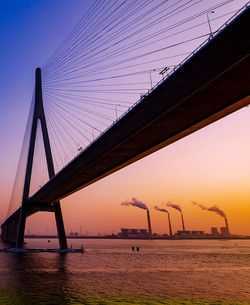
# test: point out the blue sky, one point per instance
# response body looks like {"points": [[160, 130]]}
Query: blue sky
{"points": [[30, 31]]}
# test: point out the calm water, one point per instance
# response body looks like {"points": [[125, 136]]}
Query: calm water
{"points": [[162, 272]]}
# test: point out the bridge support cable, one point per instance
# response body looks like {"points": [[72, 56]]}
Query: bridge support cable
{"points": [[27, 206], [206, 87], [113, 58]]}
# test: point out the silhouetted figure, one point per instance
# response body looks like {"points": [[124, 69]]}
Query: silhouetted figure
{"points": [[133, 248], [137, 248]]}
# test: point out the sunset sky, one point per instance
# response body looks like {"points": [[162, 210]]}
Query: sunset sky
{"points": [[211, 166]]}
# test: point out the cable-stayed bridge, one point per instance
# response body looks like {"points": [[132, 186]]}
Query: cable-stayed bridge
{"points": [[208, 84]]}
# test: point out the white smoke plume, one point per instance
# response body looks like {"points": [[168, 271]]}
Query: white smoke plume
{"points": [[135, 203], [174, 206], [212, 209], [160, 209]]}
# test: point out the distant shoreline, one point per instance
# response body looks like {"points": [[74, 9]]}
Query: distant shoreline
{"points": [[142, 238]]}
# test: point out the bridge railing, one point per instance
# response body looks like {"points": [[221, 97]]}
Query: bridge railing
{"points": [[241, 10], [211, 35], [177, 67]]}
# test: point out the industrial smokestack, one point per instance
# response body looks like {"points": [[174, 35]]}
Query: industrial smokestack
{"points": [[165, 211], [170, 228], [183, 226], [149, 223], [227, 225], [178, 208], [141, 205], [216, 210]]}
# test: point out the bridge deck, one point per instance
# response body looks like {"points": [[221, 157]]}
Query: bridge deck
{"points": [[209, 86], [212, 84]]}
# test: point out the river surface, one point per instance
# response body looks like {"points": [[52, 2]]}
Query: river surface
{"points": [[109, 272]]}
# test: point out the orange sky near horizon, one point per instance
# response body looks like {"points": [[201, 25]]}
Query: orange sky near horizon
{"points": [[210, 166]]}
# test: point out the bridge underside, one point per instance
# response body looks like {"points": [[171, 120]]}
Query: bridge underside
{"points": [[210, 85]]}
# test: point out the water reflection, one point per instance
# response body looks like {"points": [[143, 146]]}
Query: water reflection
{"points": [[37, 279], [110, 270]]}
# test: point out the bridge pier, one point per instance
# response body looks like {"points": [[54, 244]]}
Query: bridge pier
{"points": [[60, 226], [30, 208], [21, 226], [13, 228]]}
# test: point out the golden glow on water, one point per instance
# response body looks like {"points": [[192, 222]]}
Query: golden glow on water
{"points": [[11, 299], [109, 272]]}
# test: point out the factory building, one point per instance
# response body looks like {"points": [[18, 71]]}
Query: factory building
{"points": [[224, 231], [134, 233], [214, 231], [189, 234], [73, 234]]}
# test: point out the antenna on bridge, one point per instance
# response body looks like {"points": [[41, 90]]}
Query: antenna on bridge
{"points": [[28, 207]]}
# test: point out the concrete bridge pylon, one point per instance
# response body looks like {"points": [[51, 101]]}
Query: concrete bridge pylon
{"points": [[15, 232]]}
